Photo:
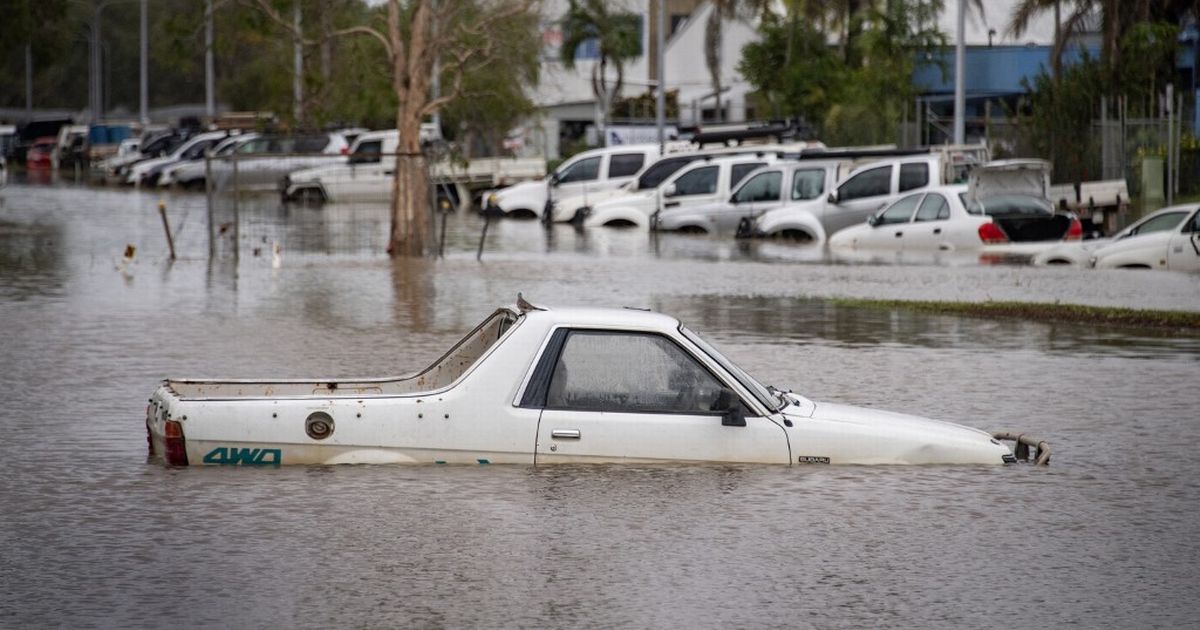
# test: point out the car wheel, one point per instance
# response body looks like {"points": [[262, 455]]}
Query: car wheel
{"points": [[311, 195], [522, 213], [620, 223], [692, 229]]}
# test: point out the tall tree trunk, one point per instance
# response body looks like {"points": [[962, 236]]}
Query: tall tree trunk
{"points": [[409, 235]]}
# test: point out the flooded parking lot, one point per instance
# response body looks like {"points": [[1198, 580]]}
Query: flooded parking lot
{"points": [[96, 536]]}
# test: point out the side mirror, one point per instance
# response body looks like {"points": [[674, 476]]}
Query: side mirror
{"points": [[730, 407], [669, 190], [833, 197], [554, 178], [873, 220]]}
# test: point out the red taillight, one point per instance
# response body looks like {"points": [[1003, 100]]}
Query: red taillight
{"points": [[345, 150], [1075, 232], [991, 233], [175, 454]]}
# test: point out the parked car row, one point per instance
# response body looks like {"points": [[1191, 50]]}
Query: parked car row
{"points": [[868, 198]]}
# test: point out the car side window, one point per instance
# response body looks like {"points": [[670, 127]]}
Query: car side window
{"points": [[900, 211], [585, 170], [740, 171], [629, 373], [761, 187], [870, 183], [701, 181], [625, 164], [808, 184], [915, 175], [933, 208]]}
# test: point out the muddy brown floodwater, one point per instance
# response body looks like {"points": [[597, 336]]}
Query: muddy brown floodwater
{"points": [[94, 535]]}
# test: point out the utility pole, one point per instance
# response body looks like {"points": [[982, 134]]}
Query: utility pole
{"points": [[28, 81], [960, 88], [144, 87], [297, 66], [96, 101], [660, 101], [210, 107]]}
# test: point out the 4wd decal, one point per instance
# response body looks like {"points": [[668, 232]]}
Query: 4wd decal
{"points": [[811, 459], [229, 456]]}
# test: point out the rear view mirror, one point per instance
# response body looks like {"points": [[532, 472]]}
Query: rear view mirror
{"points": [[833, 197], [873, 220], [554, 178], [669, 190], [730, 407]]}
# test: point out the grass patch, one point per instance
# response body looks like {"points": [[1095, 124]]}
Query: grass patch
{"points": [[1181, 321]]}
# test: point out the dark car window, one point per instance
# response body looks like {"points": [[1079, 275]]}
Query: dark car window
{"points": [[367, 151], [869, 183], [761, 187], [310, 144], [1194, 224], [934, 208], [808, 184], [900, 211], [701, 181], [631, 373], [914, 175], [740, 171], [658, 172], [625, 164], [584, 170]]}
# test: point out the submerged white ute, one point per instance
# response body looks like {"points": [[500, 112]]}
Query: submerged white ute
{"points": [[532, 385]]}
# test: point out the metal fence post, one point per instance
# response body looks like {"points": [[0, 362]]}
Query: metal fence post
{"points": [[237, 211], [208, 193]]}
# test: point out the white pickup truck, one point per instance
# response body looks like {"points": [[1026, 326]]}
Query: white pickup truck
{"points": [[539, 386], [586, 173], [367, 175]]}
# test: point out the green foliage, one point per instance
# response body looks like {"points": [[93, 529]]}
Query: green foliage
{"points": [[1057, 119], [856, 98]]}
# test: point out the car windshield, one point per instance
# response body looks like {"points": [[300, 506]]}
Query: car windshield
{"points": [[761, 392]]}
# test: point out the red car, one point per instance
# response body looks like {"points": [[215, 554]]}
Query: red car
{"points": [[41, 154]]}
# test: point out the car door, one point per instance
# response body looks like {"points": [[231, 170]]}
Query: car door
{"points": [[692, 187], [857, 198], [641, 397], [578, 178], [890, 228], [760, 192], [931, 228], [1183, 252]]}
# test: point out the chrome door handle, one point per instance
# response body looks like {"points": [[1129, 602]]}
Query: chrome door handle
{"points": [[565, 434]]}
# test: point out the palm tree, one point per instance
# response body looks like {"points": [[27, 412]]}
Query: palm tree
{"points": [[723, 10], [617, 41]]}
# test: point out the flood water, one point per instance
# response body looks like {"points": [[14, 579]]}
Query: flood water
{"points": [[94, 535]]}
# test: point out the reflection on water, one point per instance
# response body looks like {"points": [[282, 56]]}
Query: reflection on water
{"points": [[96, 536]]}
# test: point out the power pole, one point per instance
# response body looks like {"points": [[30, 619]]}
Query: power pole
{"points": [[28, 81], [297, 65], [660, 101], [210, 107], [960, 88], [144, 88]]}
